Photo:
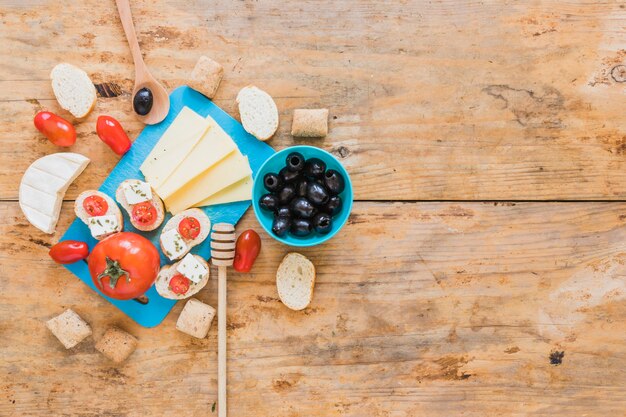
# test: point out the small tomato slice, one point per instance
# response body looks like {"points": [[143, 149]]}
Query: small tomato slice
{"points": [[189, 228], [95, 205], [144, 213], [69, 251], [58, 130], [179, 284], [111, 132], [247, 249]]}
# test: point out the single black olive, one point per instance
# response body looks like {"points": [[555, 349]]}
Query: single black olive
{"points": [[333, 207], [314, 168], [142, 102], [272, 182], [283, 212], [317, 194], [286, 194], [301, 187], [334, 181], [280, 225], [268, 202], [289, 176], [295, 162], [301, 227], [322, 223], [301, 207]]}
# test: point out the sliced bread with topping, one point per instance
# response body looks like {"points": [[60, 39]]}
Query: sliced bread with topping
{"points": [[258, 112], [73, 89], [139, 193], [187, 228], [91, 210], [295, 280], [180, 289]]}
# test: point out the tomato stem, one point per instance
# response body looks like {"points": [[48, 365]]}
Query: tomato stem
{"points": [[114, 271]]}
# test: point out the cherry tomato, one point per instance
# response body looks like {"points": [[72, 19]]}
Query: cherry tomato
{"points": [[111, 132], [189, 228], [69, 251], [124, 265], [95, 205], [144, 213], [247, 249], [179, 284], [58, 130]]}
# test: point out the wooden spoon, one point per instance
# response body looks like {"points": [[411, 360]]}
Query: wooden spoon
{"points": [[143, 79]]}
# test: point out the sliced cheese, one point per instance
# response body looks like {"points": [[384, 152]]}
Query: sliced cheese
{"points": [[230, 170], [214, 146], [239, 191], [174, 146]]}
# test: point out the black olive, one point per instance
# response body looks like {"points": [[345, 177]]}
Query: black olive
{"points": [[295, 162], [317, 194], [301, 188], [301, 227], [334, 205], [289, 176], [334, 181], [280, 225], [142, 102], [301, 207], [322, 223], [314, 168], [268, 202], [283, 212], [286, 194], [272, 182]]}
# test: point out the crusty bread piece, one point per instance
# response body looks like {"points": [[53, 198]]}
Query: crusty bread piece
{"points": [[258, 112], [295, 280], [196, 318], [156, 201], [205, 228], [206, 76], [73, 89], [116, 344], [310, 123], [162, 283], [69, 328], [113, 209]]}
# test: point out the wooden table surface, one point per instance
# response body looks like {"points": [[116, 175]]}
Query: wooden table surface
{"points": [[487, 145]]}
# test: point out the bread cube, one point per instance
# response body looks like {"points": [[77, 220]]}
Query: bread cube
{"points": [[116, 344], [196, 318], [69, 328], [206, 76], [310, 123]]}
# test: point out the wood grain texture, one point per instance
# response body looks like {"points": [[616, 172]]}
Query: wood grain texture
{"points": [[439, 309]]}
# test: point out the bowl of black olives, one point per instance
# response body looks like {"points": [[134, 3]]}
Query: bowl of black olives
{"points": [[302, 196]]}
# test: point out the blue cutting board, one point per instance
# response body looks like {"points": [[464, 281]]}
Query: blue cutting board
{"points": [[153, 313]]}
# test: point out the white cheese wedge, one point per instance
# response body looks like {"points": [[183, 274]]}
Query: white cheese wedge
{"points": [[214, 146], [191, 268], [230, 170], [173, 244], [102, 225], [137, 192], [174, 146], [239, 191]]}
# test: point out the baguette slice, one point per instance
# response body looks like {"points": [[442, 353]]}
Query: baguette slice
{"points": [[113, 209], [166, 273], [156, 201], [258, 112], [73, 89], [205, 228], [295, 280]]}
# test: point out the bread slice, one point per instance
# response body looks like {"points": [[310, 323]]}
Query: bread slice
{"points": [[116, 344], [166, 273], [69, 328], [113, 209], [258, 112], [206, 76], [73, 89], [295, 280], [205, 228], [156, 201]]}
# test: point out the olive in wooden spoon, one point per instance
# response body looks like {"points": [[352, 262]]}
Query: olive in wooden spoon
{"points": [[150, 100]]}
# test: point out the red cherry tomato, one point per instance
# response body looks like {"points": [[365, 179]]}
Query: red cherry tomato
{"points": [[144, 213], [58, 130], [124, 265], [179, 284], [69, 251], [95, 205], [189, 228], [246, 251], [111, 132]]}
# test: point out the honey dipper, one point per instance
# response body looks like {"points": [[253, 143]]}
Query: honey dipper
{"points": [[222, 256]]}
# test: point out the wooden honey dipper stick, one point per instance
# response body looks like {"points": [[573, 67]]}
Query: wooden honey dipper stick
{"points": [[222, 256]]}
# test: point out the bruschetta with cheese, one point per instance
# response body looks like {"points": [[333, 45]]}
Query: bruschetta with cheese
{"points": [[99, 212], [184, 231], [141, 202], [184, 278]]}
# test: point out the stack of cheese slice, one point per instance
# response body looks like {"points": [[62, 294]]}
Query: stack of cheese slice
{"points": [[196, 163]]}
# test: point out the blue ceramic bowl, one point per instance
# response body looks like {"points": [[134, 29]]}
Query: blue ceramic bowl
{"points": [[274, 164]]}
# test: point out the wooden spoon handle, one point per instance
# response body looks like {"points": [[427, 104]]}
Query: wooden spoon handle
{"points": [[221, 342], [123, 7]]}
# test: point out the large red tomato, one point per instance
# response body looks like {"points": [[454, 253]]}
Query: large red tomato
{"points": [[124, 265]]}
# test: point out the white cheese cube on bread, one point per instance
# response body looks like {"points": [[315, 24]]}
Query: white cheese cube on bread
{"points": [[173, 244], [195, 319], [102, 225], [116, 344], [173, 284], [137, 192], [69, 328], [92, 202], [191, 268]]}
